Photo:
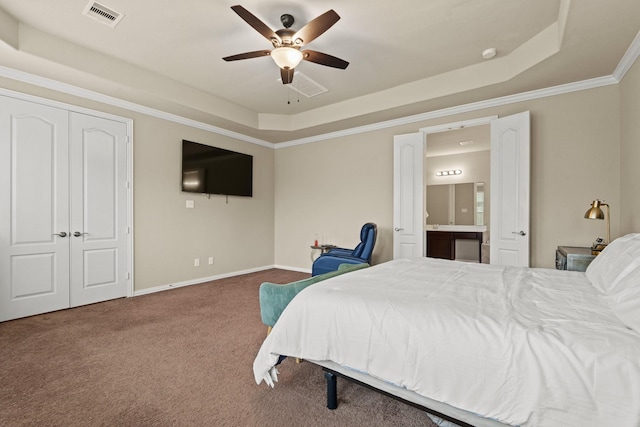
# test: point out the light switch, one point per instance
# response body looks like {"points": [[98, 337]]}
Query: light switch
{"points": [[190, 204]]}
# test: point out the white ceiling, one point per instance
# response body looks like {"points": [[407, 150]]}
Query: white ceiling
{"points": [[406, 57]]}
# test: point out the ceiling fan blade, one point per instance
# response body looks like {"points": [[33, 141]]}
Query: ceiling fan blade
{"points": [[286, 75], [248, 55], [316, 27], [324, 59], [256, 23]]}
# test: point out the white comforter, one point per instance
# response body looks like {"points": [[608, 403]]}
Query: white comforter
{"points": [[532, 347]]}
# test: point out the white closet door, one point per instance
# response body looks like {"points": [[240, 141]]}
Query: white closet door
{"points": [[34, 209], [98, 174]]}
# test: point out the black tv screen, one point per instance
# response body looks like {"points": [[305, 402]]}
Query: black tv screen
{"points": [[212, 170]]}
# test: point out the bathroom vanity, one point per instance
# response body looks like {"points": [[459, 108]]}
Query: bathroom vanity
{"points": [[441, 239]]}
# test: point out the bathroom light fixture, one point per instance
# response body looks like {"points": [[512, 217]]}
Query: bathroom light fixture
{"points": [[595, 212], [449, 172]]}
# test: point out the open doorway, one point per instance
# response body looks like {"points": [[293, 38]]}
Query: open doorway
{"points": [[461, 198], [509, 204], [457, 176]]}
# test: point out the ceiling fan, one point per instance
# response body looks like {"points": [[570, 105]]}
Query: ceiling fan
{"points": [[287, 42]]}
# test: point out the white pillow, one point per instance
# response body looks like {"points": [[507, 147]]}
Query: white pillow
{"points": [[615, 262], [625, 301]]}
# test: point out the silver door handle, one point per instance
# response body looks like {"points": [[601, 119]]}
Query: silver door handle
{"points": [[398, 229], [521, 233], [78, 234], [61, 234]]}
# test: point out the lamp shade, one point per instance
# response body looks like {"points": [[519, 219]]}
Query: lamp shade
{"points": [[594, 212], [286, 57]]}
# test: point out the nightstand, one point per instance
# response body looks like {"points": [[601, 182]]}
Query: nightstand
{"points": [[573, 258]]}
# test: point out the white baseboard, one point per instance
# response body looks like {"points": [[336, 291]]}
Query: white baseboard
{"points": [[301, 270], [209, 279]]}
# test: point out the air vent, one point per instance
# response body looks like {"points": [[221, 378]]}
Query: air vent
{"points": [[304, 85], [103, 14]]}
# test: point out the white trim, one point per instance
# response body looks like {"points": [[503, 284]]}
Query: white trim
{"points": [[628, 59], [62, 105], [130, 198], [458, 125], [202, 280], [624, 65], [465, 108], [120, 103], [299, 270]]}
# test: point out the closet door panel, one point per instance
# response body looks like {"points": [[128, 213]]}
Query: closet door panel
{"points": [[98, 209], [34, 218]]}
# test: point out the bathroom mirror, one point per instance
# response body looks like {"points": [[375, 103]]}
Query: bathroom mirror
{"points": [[456, 204]]}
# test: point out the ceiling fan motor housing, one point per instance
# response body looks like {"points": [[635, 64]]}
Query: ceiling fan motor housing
{"points": [[287, 20], [286, 38]]}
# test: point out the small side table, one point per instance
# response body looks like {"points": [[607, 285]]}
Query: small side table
{"points": [[323, 248], [573, 258]]}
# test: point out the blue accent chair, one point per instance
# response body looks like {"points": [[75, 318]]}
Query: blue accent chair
{"points": [[329, 261]]}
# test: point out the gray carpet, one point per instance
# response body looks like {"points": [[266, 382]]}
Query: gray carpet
{"points": [[175, 358]]}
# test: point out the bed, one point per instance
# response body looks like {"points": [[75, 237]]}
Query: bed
{"points": [[482, 344]]}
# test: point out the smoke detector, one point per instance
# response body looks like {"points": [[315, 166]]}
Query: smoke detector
{"points": [[489, 53], [102, 13]]}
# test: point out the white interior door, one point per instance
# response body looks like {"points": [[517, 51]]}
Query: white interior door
{"points": [[408, 195], [34, 209], [510, 190], [65, 208], [99, 229]]}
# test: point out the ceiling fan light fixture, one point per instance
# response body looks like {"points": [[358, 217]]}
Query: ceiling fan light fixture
{"points": [[286, 57]]}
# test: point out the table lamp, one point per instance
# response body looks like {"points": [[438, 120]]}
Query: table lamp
{"points": [[595, 212]]}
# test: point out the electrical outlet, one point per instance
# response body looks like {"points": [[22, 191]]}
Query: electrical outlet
{"points": [[190, 204], [196, 262], [210, 260]]}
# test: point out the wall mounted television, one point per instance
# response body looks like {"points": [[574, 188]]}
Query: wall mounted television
{"points": [[212, 170]]}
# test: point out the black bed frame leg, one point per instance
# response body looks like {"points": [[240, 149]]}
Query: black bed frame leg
{"points": [[332, 390]]}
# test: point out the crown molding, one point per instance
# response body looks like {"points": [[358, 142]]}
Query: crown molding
{"points": [[465, 108], [628, 59], [120, 103], [624, 65]]}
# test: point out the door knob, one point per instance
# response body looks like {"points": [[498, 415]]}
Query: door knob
{"points": [[61, 234], [398, 229], [521, 233], [78, 234]]}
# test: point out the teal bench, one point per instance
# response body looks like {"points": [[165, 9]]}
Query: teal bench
{"points": [[274, 297]]}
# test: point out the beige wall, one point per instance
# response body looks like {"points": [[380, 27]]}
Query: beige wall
{"points": [[332, 187], [167, 236], [630, 151]]}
